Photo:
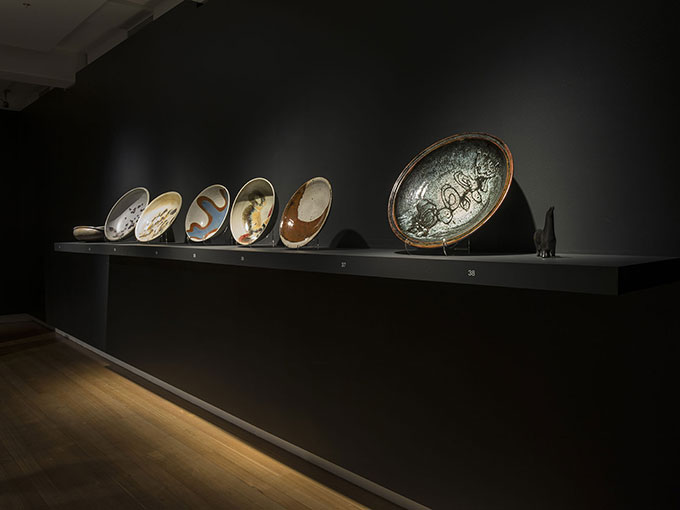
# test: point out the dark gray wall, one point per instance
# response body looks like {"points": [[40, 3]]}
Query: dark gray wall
{"points": [[233, 90], [22, 209]]}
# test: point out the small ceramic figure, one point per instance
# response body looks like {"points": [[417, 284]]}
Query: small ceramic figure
{"points": [[544, 238]]}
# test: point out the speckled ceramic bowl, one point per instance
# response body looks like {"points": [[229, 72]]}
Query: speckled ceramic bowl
{"points": [[125, 213], [158, 216], [252, 210], [450, 190], [306, 212], [88, 233], [207, 214]]}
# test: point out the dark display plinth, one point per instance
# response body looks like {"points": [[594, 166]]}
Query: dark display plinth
{"points": [[592, 274]]}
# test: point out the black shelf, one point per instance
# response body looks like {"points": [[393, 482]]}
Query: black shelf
{"points": [[592, 274]]}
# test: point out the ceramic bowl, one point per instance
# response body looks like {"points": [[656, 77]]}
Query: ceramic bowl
{"points": [[207, 214], [158, 216], [252, 210], [449, 190], [306, 212], [88, 233], [125, 213]]}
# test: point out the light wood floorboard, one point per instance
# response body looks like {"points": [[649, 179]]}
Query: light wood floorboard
{"points": [[76, 434]]}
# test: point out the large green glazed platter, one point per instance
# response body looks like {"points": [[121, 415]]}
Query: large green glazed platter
{"points": [[450, 190]]}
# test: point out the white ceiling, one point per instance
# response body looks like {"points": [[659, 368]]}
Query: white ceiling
{"points": [[44, 43], [41, 25]]}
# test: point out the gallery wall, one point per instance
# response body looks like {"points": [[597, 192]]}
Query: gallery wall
{"points": [[233, 90], [454, 396]]}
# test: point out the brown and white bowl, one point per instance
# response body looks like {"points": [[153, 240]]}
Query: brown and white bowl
{"points": [[306, 212]]}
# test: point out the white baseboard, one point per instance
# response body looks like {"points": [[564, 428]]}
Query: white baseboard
{"points": [[324, 464]]}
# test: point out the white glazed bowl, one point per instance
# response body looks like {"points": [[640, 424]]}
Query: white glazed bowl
{"points": [[252, 210], [125, 213], [207, 213], [158, 216], [306, 212]]}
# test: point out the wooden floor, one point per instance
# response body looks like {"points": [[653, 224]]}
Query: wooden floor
{"points": [[76, 434]]}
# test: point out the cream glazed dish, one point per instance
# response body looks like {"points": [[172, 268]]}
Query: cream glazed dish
{"points": [[207, 214], [125, 213], [252, 211], [158, 216], [306, 212]]}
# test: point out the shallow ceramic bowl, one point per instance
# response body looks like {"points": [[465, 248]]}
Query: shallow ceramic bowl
{"points": [[252, 211], [306, 212], [207, 214], [158, 216], [88, 233], [125, 213], [449, 190]]}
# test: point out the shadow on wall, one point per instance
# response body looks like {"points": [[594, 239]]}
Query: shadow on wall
{"points": [[348, 239], [510, 229]]}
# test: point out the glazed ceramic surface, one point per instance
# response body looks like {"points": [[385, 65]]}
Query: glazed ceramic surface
{"points": [[88, 233], [207, 213], [306, 212], [158, 216], [252, 210], [125, 213], [450, 190]]}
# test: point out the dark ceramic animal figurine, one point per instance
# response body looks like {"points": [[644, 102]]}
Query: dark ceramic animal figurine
{"points": [[544, 238]]}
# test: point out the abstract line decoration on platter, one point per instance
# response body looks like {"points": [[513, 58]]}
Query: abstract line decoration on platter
{"points": [[252, 211], [450, 190], [158, 216], [306, 212], [88, 233], [125, 214], [207, 214]]}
